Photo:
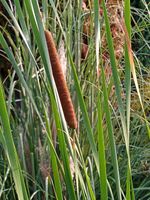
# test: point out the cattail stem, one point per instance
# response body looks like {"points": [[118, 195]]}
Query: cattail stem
{"points": [[60, 81]]}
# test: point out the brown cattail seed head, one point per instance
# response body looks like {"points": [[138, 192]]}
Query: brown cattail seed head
{"points": [[60, 81]]}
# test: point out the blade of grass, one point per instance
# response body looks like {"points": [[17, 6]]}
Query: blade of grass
{"points": [[127, 65], [131, 59], [97, 32], [101, 151], [91, 193], [114, 70], [84, 113], [11, 150], [111, 137], [127, 17]]}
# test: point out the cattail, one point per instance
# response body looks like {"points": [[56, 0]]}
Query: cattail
{"points": [[60, 81]]}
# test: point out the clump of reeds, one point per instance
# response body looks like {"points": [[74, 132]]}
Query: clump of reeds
{"points": [[60, 81]]}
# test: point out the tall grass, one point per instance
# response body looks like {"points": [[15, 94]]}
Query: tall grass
{"points": [[107, 156]]}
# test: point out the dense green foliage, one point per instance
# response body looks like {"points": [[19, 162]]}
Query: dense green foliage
{"points": [[108, 155]]}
